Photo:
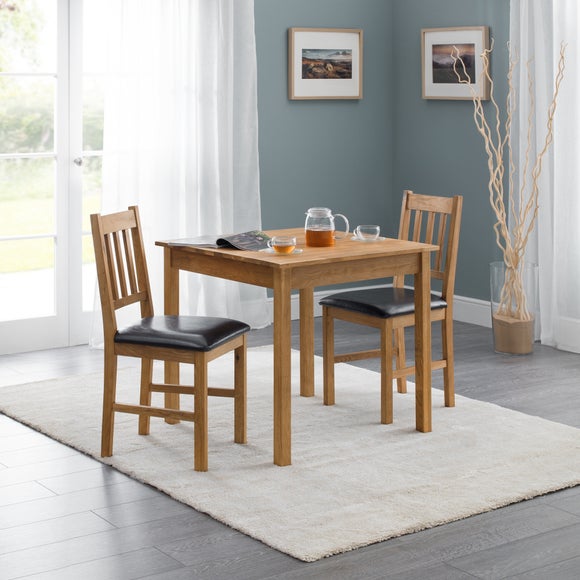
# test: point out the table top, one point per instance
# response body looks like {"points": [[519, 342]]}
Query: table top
{"points": [[344, 250]]}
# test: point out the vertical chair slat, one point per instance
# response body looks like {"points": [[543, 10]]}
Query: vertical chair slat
{"points": [[430, 228], [417, 228], [120, 264], [129, 253], [111, 266]]}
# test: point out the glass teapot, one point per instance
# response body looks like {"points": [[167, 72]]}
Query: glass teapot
{"points": [[320, 229]]}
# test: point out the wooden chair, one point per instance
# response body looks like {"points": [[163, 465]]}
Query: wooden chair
{"points": [[427, 219], [123, 280]]}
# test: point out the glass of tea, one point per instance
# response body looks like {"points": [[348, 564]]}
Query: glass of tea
{"points": [[282, 244]]}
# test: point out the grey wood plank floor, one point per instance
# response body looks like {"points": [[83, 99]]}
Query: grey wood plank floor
{"points": [[66, 516]]}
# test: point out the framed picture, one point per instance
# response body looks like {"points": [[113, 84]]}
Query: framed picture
{"points": [[439, 79], [325, 63]]}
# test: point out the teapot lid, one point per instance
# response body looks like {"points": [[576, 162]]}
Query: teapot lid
{"points": [[319, 211]]}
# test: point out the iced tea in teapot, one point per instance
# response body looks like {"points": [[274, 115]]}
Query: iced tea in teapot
{"points": [[319, 227]]}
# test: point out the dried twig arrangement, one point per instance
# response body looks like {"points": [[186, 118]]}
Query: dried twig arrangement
{"points": [[522, 204]]}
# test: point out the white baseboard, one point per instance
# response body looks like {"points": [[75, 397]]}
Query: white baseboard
{"points": [[472, 310], [465, 309]]}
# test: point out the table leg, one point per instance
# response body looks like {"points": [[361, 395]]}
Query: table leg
{"points": [[307, 342], [282, 371], [423, 344], [171, 307]]}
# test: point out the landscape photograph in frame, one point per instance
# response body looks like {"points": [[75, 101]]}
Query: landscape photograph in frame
{"points": [[325, 63], [439, 79]]}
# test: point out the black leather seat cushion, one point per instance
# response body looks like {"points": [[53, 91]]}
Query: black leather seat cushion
{"points": [[202, 333], [380, 302]]}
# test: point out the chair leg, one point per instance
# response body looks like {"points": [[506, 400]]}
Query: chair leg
{"points": [[240, 394], [109, 395], [328, 356], [387, 373], [401, 359], [145, 394], [200, 425], [448, 356]]}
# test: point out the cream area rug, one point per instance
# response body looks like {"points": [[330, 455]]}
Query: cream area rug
{"points": [[352, 481]]}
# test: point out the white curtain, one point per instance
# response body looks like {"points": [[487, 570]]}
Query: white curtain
{"points": [[538, 27], [181, 133]]}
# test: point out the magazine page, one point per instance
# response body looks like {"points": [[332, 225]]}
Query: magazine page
{"points": [[252, 240]]}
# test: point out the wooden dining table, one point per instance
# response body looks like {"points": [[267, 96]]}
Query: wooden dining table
{"points": [[349, 260]]}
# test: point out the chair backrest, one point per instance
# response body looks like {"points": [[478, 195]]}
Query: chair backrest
{"points": [[434, 220], [121, 265]]}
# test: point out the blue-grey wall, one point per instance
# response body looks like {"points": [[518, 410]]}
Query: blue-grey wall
{"points": [[335, 153], [356, 157], [438, 149]]}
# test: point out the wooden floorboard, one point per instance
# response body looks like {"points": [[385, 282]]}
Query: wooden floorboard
{"points": [[66, 516]]}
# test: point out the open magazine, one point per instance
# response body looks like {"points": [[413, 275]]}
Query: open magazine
{"points": [[253, 240]]}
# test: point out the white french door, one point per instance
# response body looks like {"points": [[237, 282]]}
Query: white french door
{"points": [[51, 130]]}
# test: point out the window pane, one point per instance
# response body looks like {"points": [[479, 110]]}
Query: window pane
{"points": [[27, 114], [92, 113], [26, 197], [96, 25], [22, 255], [26, 279], [89, 274], [94, 66], [92, 188], [28, 33], [92, 168]]}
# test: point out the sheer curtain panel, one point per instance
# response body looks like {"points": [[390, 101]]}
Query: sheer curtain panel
{"points": [[538, 27], [181, 133]]}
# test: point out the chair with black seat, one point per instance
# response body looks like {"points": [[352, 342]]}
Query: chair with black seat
{"points": [[424, 218], [123, 281]]}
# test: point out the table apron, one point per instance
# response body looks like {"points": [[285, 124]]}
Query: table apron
{"points": [[256, 274], [305, 276]]}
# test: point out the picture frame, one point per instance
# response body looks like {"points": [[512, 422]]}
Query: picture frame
{"points": [[325, 63], [439, 79]]}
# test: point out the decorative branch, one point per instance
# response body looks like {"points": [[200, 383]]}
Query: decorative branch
{"points": [[497, 140]]}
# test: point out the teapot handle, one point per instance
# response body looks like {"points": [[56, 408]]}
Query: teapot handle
{"points": [[345, 233]]}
